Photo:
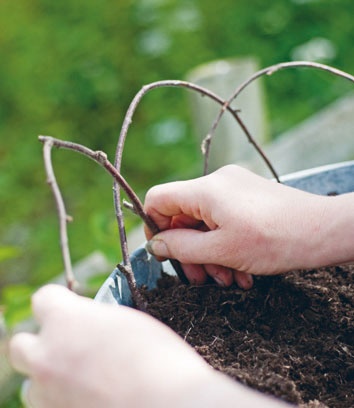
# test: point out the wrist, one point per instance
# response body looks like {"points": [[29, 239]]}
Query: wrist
{"points": [[220, 390], [337, 246], [324, 233]]}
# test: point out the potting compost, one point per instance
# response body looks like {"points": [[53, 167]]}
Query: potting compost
{"points": [[291, 335]]}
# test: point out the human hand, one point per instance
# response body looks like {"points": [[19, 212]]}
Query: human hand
{"points": [[232, 224], [90, 355], [93, 355]]}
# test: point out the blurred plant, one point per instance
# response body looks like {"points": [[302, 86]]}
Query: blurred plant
{"points": [[9, 252], [71, 67], [120, 183], [17, 303]]}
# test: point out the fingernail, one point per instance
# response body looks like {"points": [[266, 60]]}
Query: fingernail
{"points": [[246, 282], [157, 247]]}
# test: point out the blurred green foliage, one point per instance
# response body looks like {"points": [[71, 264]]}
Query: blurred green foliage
{"points": [[16, 299], [70, 69]]}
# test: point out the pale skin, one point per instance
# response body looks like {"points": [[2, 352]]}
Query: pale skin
{"points": [[228, 225], [92, 355], [233, 224]]}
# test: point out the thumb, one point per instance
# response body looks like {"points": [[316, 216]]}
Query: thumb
{"points": [[52, 299], [187, 246]]}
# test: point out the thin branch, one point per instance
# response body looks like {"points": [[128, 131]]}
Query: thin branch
{"points": [[270, 71], [127, 271], [129, 206], [123, 134], [119, 182], [206, 143], [177, 84], [63, 217], [100, 158], [119, 153]]}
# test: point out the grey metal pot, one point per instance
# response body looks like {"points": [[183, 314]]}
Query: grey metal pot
{"points": [[326, 180]]}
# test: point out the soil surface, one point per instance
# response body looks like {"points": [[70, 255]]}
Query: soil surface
{"points": [[291, 336]]}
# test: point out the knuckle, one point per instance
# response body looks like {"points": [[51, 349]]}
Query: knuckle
{"points": [[152, 194]]}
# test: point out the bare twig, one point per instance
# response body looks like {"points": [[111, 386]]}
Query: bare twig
{"points": [[268, 71], [119, 182], [121, 141], [206, 143], [63, 217], [181, 84], [100, 158], [129, 206], [127, 271]]}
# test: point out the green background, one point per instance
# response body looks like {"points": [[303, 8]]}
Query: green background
{"points": [[70, 69]]}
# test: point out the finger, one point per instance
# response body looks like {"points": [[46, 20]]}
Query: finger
{"points": [[185, 221], [172, 199], [148, 248], [189, 246], [222, 276], [181, 221], [51, 299], [23, 348], [243, 279], [195, 273]]}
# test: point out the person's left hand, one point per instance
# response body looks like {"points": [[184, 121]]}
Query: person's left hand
{"points": [[90, 355], [93, 355]]}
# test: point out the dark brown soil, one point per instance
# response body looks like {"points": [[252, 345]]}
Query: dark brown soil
{"points": [[291, 336]]}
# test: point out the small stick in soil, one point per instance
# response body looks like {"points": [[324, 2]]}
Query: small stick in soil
{"points": [[100, 158], [120, 147], [181, 84], [266, 71], [62, 215], [206, 144], [129, 206], [138, 299]]}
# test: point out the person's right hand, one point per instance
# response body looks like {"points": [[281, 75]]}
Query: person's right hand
{"points": [[233, 224]]}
